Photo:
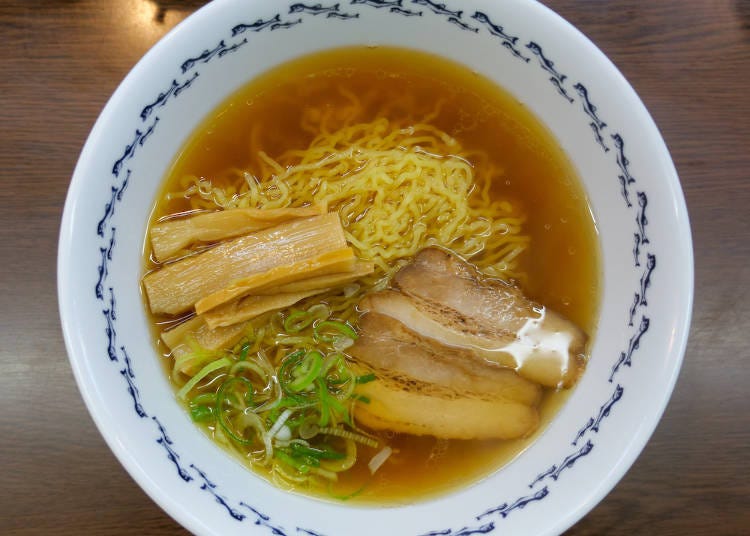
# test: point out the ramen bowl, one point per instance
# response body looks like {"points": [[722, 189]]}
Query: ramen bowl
{"points": [[597, 119]]}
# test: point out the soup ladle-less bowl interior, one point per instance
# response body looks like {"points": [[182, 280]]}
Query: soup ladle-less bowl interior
{"points": [[552, 70]]}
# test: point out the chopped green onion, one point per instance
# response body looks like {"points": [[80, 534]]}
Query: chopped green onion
{"points": [[299, 465], [288, 365], [297, 321], [202, 413], [338, 381], [346, 496], [203, 399], [344, 463], [243, 351], [309, 368], [343, 389], [321, 454], [325, 413], [330, 330], [330, 405], [280, 470], [330, 361], [250, 419], [365, 378], [205, 371], [243, 365]]}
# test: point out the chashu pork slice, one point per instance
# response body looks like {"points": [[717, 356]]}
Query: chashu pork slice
{"points": [[442, 297], [425, 388], [408, 406], [386, 344]]}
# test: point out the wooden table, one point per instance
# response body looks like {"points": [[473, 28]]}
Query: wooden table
{"points": [[688, 59]]}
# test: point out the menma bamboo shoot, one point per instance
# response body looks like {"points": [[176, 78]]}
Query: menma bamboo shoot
{"points": [[171, 237], [176, 287], [341, 260]]}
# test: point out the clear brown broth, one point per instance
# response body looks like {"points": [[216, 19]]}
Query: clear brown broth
{"points": [[561, 264]]}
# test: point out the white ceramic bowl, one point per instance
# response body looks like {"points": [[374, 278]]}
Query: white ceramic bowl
{"points": [[534, 54]]}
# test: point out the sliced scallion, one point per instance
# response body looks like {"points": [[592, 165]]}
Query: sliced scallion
{"points": [[329, 330], [321, 454], [309, 369], [201, 413], [247, 420], [297, 321], [365, 378], [205, 371]]}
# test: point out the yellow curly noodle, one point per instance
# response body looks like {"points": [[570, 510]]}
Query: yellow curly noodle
{"points": [[398, 187]]}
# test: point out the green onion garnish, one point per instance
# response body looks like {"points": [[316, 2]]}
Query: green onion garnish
{"points": [[297, 321], [202, 413], [227, 393], [330, 330], [320, 454], [309, 369]]}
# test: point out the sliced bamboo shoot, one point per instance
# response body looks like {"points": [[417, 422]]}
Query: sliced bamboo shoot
{"points": [[272, 298], [176, 335], [341, 260], [361, 269], [170, 238], [176, 287], [249, 307]]}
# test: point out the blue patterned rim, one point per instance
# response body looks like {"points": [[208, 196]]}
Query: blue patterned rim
{"points": [[530, 53]]}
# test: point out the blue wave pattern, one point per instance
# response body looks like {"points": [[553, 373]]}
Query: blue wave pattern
{"points": [[220, 50], [272, 24], [378, 4], [109, 208], [507, 41], [308, 532], [416, 8], [594, 423], [597, 125], [103, 268], [172, 456], [464, 531], [133, 391], [174, 90], [557, 79], [330, 12], [210, 487], [505, 509]]}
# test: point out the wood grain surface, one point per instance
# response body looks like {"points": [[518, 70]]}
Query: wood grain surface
{"points": [[61, 59]]}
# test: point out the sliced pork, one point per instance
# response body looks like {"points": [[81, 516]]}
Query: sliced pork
{"points": [[444, 298], [409, 406], [457, 355], [387, 345]]}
